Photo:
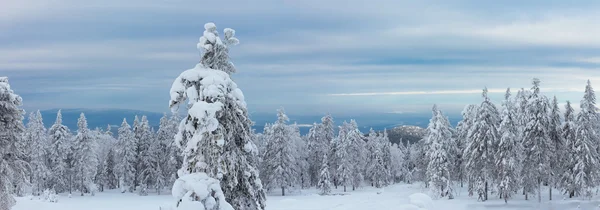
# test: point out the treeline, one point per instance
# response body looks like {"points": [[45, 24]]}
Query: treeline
{"points": [[514, 149], [88, 160], [324, 160]]}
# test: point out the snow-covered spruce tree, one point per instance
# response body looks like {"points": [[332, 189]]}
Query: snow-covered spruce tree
{"points": [[106, 142], [397, 168], [146, 159], [319, 140], [215, 136], [59, 153], [440, 155], [479, 150], [568, 128], [110, 179], [387, 155], [378, 173], [300, 155], [216, 51], [126, 153], [38, 139], [536, 142], [585, 146], [324, 184], [85, 153], [342, 157], [175, 153], [279, 157], [357, 151], [13, 167], [557, 147], [462, 133], [164, 138], [507, 156]]}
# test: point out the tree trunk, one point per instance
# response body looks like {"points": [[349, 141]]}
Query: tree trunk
{"points": [[550, 189], [485, 197], [81, 187], [344, 188], [526, 196], [282, 191], [540, 191]]}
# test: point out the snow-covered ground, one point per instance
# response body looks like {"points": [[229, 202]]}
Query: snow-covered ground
{"points": [[395, 197]]}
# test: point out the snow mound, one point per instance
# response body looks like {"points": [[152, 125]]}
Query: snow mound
{"points": [[421, 200], [409, 207], [198, 191]]}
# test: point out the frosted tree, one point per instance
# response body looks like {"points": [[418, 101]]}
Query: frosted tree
{"points": [[557, 148], [507, 156], [279, 158], [60, 155], [387, 155], [315, 151], [146, 157], [440, 155], [175, 153], [462, 133], [585, 155], [378, 174], [324, 184], [398, 164], [479, 148], [216, 51], [568, 134], [85, 153], [342, 156], [536, 142], [38, 139], [300, 155], [126, 153], [215, 136], [357, 151], [110, 178], [13, 167], [162, 150]]}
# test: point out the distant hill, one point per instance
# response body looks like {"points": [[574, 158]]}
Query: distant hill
{"points": [[406, 133]]}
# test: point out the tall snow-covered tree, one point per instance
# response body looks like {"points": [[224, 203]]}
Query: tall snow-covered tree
{"points": [[569, 128], [377, 172], [126, 153], [440, 155], [586, 175], [342, 156], [536, 142], [507, 156], [300, 155], [146, 160], [462, 132], [358, 154], [319, 140], [324, 183], [216, 133], [60, 155], [398, 165], [479, 149], [280, 161], [86, 160], [13, 167], [557, 146], [35, 133]]}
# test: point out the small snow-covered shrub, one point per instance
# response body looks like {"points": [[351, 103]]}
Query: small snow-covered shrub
{"points": [[421, 200], [50, 196], [143, 190], [198, 191]]}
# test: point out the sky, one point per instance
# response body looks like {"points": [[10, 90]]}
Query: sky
{"points": [[310, 56]]}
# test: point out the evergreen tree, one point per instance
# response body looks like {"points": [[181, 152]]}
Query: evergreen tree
{"points": [[507, 155], [586, 175], [127, 149], [86, 160], [462, 133], [13, 167], [60, 153], [216, 51], [344, 168], [324, 183], [536, 142], [219, 127], [110, 179], [568, 134], [479, 150], [279, 156], [319, 140], [35, 133], [440, 155], [557, 147]]}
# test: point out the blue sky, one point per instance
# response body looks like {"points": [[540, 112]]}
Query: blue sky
{"points": [[311, 56]]}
